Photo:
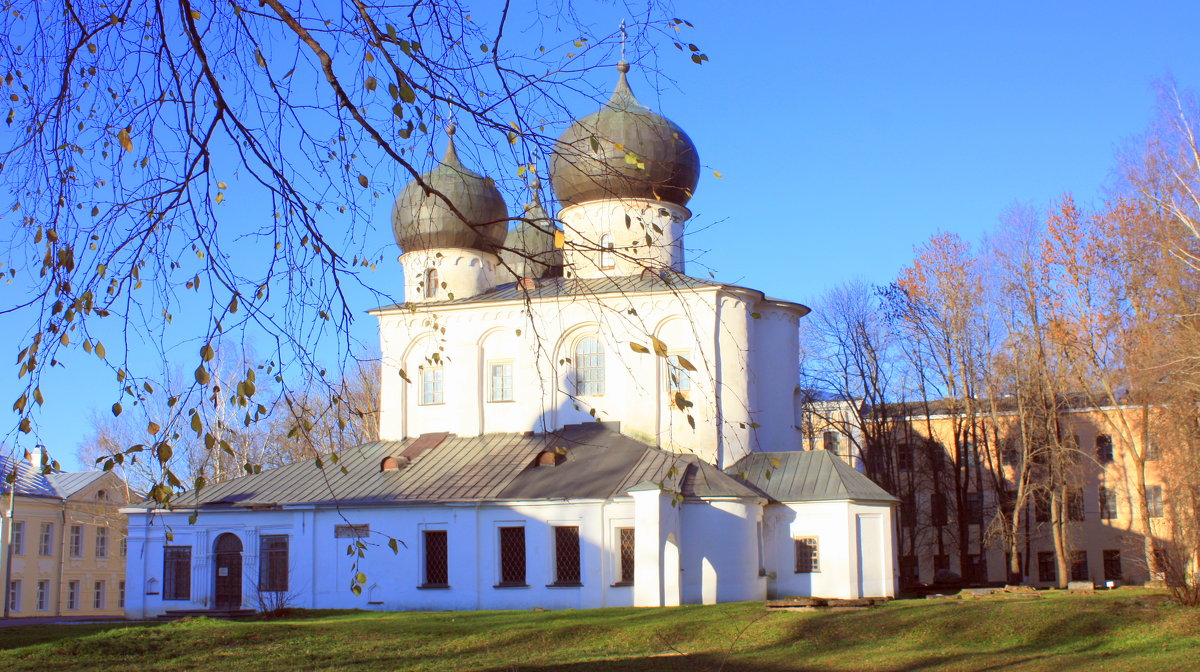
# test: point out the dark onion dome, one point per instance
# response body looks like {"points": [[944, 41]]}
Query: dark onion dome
{"points": [[529, 250], [422, 220], [624, 151]]}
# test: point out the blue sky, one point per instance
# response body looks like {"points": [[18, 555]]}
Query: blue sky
{"points": [[847, 133]]}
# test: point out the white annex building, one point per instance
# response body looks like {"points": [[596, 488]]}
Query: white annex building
{"points": [[568, 421]]}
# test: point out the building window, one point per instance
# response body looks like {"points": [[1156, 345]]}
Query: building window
{"points": [[43, 595], [273, 563], [46, 540], [829, 441], [431, 283], [625, 540], [512, 556], [937, 504], [589, 367], [608, 258], [120, 594], [98, 597], [908, 510], [1079, 566], [807, 558], [1108, 503], [1008, 452], [72, 595], [976, 570], [437, 558], [974, 506], [1153, 452], [502, 381], [1075, 505], [941, 562], [124, 545], [18, 537], [101, 542], [431, 386], [566, 556], [1104, 448], [177, 572], [679, 378], [1154, 500], [1041, 507], [1112, 564], [904, 457], [14, 595], [910, 569], [1047, 570], [76, 541]]}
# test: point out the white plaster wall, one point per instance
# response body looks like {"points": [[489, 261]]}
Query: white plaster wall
{"points": [[774, 361], [461, 273], [540, 341], [834, 524], [629, 222], [720, 551]]}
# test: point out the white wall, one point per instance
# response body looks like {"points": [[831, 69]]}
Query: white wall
{"points": [[835, 524]]}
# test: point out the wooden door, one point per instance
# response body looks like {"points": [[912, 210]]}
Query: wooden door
{"points": [[228, 572]]}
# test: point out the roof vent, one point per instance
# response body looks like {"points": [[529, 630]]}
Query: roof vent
{"points": [[390, 463], [550, 457], [527, 284]]}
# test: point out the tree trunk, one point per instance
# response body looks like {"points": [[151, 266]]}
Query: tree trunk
{"points": [[1058, 530]]}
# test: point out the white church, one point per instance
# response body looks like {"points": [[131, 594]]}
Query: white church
{"points": [[568, 421]]}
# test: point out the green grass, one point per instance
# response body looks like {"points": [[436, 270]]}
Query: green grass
{"points": [[1129, 629]]}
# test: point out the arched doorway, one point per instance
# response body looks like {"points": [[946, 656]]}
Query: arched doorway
{"points": [[227, 572]]}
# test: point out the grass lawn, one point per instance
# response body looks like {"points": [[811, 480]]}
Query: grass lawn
{"points": [[1128, 629]]}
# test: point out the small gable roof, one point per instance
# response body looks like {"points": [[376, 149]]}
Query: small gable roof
{"points": [[68, 483], [807, 476], [590, 461], [33, 483]]}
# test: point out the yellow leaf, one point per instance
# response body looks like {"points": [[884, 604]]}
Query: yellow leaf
{"points": [[125, 140], [362, 179], [220, 196], [639, 348], [221, 185], [717, 174], [195, 13]]}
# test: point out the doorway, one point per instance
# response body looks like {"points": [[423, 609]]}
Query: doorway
{"points": [[227, 572]]}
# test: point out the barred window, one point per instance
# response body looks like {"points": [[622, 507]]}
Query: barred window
{"points": [[566, 555], [1108, 503], [807, 560], [512, 556], [101, 542], [589, 367], [625, 539], [273, 562], [76, 541], [502, 381], [437, 558], [431, 386], [177, 572]]}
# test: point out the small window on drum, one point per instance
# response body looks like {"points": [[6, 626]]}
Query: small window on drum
{"points": [[431, 283], [608, 257]]}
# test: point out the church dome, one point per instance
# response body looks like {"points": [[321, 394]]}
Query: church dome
{"points": [[625, 150], [423, 220], [529, 250]]}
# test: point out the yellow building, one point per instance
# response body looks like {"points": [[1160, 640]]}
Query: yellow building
{"points": [[62, 542]]}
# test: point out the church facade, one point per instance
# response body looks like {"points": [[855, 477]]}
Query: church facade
{"points": [[568, 420]]}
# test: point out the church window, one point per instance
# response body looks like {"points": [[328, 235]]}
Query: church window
{"points": [[679, 379], [273, 563], [589, 367], [437, 560], [431, 386], [807, 560], [431, 283], [512, 557], [566, 555], [607, 255], [625, 540], [177, 572], [501, 381]]}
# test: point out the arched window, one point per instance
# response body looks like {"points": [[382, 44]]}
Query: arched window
{"points": [[679, 377], [431, 283], [589, 367], [607, 256]]}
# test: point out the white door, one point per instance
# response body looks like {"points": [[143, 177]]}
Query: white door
{"points": [[871, 581]]}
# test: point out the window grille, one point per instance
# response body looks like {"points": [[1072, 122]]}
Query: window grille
{"points": [[1108, 503], [589, 367], [76, 541], [431, 386], [566, 555], [512, 556], [437, 558], [47, 539], [273, 562], [1112, 565], [101, 542], [625, 539], [98, 597], [806, 555], [177, 572], [502, 382]]}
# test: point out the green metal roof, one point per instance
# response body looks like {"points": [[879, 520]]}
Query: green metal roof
{"points": [[807, 476]]}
